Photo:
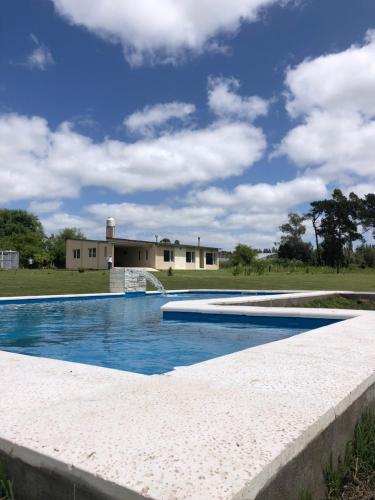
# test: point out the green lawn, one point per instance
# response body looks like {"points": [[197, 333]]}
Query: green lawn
{"points": [[48, 282], [51, 282], [341, 302], [355, 281]]}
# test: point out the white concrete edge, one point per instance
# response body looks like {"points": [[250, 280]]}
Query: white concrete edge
{"points": [[121, 294], [41, 461], [65, 296], [187, 290], [229, 307], [293, 448]]}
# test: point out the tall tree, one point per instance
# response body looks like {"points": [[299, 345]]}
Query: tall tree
{"points": [[293, 229], [367, 213], [338, 227], [22, 231], [291, 245], [314, 215]]}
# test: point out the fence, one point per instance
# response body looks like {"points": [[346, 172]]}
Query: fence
{"points": [[9, 259]]}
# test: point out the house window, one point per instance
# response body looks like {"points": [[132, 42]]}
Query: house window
{"points": [[139, 255], [211, 258], [92, 253], [77, 254], [146, 254], [105, 251], [168, 256], [190, 257]]}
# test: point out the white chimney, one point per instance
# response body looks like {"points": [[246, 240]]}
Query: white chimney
{"points": [[110, 228]]}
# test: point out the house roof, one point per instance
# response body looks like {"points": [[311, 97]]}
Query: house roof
{"points": [[129, 242], [134, 243]]}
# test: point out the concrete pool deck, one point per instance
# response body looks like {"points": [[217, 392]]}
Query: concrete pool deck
{"points": [[220, 429], [242, 306]]}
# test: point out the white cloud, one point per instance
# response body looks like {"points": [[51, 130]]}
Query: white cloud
{"points": [[338, 82], [359, 189], [151, 117], [263, 198], [224, 101], [334, 97], [37, 162], [216, 226], [44, 207], [60, 220], [250, 213], [210, 229], [162, 30], [41, 57], [156, 217]]}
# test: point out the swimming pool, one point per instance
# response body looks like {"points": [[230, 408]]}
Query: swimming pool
{"points": [[130, 334]]}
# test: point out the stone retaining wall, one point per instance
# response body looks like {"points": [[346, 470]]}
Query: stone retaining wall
{"points": [[124, 280]]}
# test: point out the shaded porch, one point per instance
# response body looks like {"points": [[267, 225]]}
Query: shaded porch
{"points": [[134, 254]]}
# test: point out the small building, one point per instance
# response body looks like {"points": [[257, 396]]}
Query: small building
{"points": [[9, 259], [93, 254]]}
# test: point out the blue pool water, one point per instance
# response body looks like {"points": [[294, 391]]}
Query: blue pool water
{"points": [[130, 334]]}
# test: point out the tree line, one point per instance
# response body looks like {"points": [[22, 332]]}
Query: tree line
{"points": [[22, 231], [339, 224]]}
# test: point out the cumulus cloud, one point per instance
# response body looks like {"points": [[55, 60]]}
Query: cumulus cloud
{"points": [[57, 221], [215, 225], [334, 98], [41, 57], [44, 207], [37, 162], [263, 198], [145, 122], [248, 213], [162, 30], [156, 217], [210, 229], [225, 102], [337, 82]]}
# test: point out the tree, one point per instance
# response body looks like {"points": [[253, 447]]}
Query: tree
{"points": [[243, 254], [367, 212], [297, 250], [291, 245], [338, 227], [314, 215], [365, 256], [22, 231], [57, 244], [293, 229]]}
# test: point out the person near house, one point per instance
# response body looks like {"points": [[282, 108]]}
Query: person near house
{"points": [[109, 262]]}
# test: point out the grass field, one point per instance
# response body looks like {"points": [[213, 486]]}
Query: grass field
{"points": [[48, 282], [355, 281], [51, 282], [338, 302]]}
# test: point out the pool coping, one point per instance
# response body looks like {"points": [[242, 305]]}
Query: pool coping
{"points": [[220, 429], [229, 306], [107, 295]]}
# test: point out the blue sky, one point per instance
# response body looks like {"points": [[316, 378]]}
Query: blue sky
{"points": [[187, 120]]}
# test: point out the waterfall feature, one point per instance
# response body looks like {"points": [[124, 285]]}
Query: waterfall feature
{"points": [[127, 280], [151, 279]]}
